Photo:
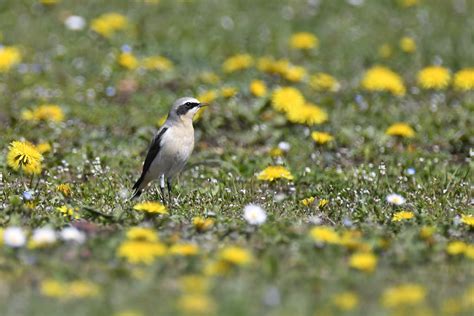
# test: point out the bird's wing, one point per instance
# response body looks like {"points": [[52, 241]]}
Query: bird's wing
{"points": [[153, 151]]}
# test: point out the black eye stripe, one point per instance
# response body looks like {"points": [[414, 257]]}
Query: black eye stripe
{"points": [[184, 108]]}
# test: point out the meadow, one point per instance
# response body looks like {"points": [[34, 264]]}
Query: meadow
{"points": [[331, 175]]}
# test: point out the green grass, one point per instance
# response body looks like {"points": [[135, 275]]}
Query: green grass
{"points": [[289, 273]]}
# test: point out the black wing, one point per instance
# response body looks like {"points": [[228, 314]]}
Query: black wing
{"points": [[152, 153]]}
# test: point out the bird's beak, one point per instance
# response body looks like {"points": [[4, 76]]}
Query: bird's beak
{"points": [[201, 105]]}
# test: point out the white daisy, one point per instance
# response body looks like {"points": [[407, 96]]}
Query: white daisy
{"points": [[72, 234], [44, 236], [14, 237], [254, 214], [75, 22], [395, 199]]}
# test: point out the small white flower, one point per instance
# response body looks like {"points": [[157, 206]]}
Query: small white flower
{"points": [[254, 214], [72, 234], [14, 237], [395, 199], [44, 236], [75, 22]]}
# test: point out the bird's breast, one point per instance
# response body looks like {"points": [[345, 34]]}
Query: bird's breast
{"points": [[179, 143]]}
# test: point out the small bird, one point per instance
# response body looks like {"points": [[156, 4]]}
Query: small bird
{"points": [[170, 148]]}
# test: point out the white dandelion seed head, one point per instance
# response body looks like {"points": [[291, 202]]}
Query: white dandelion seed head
{"points": [[254, 214], [14, 237], [395, 199], [72, 234], [44, 236], [75, 22]]}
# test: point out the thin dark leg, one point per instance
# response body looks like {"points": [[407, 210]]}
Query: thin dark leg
{"points": [[168, 183]]}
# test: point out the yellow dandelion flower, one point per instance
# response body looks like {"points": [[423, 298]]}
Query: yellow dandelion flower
{"points": [[352, 240], [402, 215], [294, 73], [469, 252], [53, 288], [237, 62], [258, 88], [67, 211], [137, 251], [346, 301], [464, 79], [385, 50], [235, 255], [193, 283], [322, 137], [142, 233], [159, 63], [228, 92], [29, 204], [401, 130], [324, 234], [404, 294], [407, 45], [308, 201], [276, 152], [309, 114], [45, 112], [467, 219], [324, 82], [363, 261], [434, 77], [217, 268], [455, 248], [71, 290], [202, 224], [209, 77], [196, 304], [24, 156], [265, 63], [304, 40], [109, 23], [9, 57], [273, 173], [151, 207], [286, 98], [44, 147], [208, 96], [65, 189], [379, 78], [128, 61], [426, 232], [270, 65], [184, 249], [82, 289], [323, 202]]}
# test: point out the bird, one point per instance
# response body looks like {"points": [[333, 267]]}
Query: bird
{"points": [[170, 148]]}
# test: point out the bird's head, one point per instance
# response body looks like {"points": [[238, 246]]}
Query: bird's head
{"points": [[185, 108]]}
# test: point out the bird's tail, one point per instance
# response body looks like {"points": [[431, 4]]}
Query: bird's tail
{"points": [[136, 194], [136, 187]]}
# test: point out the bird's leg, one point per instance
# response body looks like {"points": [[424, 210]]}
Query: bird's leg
{"points": [[168, 183], [162, 188]]}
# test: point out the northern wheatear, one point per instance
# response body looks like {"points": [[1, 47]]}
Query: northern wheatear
{"points": [[171, 147]]}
